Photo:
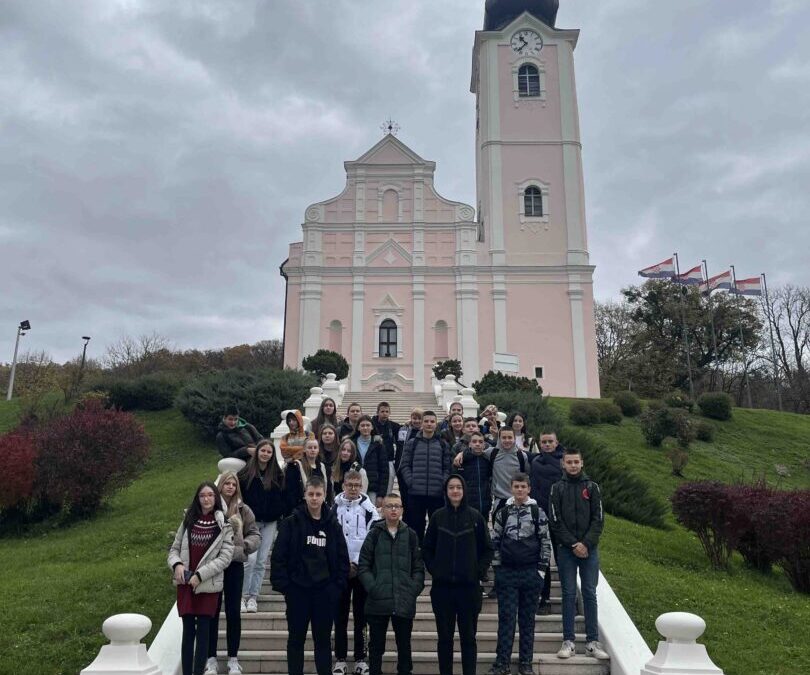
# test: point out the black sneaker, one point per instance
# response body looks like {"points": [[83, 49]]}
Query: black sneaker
{"points": [[543, 608], [526, 669], [499, 670]]}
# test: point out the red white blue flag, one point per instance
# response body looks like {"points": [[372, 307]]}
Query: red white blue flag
{"points": [[719, 282], [752, 286], [663, 270], [693, 277]]}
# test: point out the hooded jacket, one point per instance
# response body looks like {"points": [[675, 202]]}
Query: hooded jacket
{"points": [[376, 464], [520, 536], [457, 549], [391, 570], [545, 471], [286, 568], [234, 442], [211, 569], [477, 472], [355, 517], [295, 482], [425, 465], [388, 431], [291, 445], [576, 511]]}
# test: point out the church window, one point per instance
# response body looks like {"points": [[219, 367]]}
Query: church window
{"points": [[388, 339], [336, 336], [538, 372], [390, 206], [440, 341], [528, 81], [533, 202]]}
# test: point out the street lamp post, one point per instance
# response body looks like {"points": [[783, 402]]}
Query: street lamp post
{"points": [[86, 339], [24, 326]]}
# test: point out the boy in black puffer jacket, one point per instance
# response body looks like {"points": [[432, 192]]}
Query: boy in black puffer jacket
{"points": [[457, 552], [477, 471]]}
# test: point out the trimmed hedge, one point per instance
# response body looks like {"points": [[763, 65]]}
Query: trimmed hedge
{"points": [[609, 412], [624, 494], [496, 382], [584, 413], [629, 403], [261, 395], [148, 392], [716, 405]]}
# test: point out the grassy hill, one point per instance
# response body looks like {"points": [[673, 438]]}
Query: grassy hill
{"points": [[64, 581]]}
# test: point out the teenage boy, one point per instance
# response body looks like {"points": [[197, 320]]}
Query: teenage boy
{"points": [[577, 521], [477, 471], [457, 552], [388, 431], [426, 464], [391, 570], [310, 566], [349, 425], [522, 552], [355, 515], [235, 437], [406, 433], [545, 471]]}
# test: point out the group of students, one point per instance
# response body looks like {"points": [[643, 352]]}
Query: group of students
{"points": [[353, 511]]}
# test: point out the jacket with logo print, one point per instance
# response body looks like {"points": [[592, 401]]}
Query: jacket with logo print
{"points": [[576, 511]]}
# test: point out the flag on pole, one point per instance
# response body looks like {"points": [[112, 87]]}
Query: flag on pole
{"points": [[752, 286], [663, 270], [719, 282], [693, 277]]}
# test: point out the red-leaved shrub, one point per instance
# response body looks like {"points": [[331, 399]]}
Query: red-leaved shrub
{"points": [[748, 500], [17, 472], [85, 456]]}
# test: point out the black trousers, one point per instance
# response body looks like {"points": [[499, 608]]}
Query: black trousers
{"points": [[378, 628], [195, 630], [353, 597], [305, 606], [419, 509], [546, 594], [232, 591], [456, 605]]}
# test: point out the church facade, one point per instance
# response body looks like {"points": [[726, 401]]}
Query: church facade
{"points": [[396, 277]]}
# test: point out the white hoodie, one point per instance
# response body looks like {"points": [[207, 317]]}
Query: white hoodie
{"points": [[355, 517]]}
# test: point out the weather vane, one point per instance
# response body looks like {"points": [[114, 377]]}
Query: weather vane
{"points": [[390, 127]]}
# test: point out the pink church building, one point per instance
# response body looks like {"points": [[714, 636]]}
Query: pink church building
{"points": [[396, 277]]}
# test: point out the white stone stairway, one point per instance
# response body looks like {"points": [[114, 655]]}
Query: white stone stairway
{"points": [[264, 640], [401, 403]]}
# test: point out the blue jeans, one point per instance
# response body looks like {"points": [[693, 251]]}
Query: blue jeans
{"points": [[257, 561], [567, 565]]}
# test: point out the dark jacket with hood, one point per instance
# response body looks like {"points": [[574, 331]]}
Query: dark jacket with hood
{"points": [[267, 505], [345, 429], [388, 431], [303, 546], [391, 571], [457, 549], [477, 472], [295, 484], [234, 442], [426, 464], [576, 511], [546, 469], [376, 465]]}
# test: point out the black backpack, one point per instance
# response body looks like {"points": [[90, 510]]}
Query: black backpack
{"points": [[523, 458], [511, 549]]}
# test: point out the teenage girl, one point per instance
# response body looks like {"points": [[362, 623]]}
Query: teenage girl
{"points": [[299, 471], [347, 456], [455, 429], [523, 440], [202, 549], [327, 414], [349, 426], [328, 439], [374, 457]]}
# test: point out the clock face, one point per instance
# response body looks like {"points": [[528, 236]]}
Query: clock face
{"points": [[527, 43]]}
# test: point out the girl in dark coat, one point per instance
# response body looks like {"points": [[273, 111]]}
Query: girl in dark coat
{"points": [[299, 471], [373, 456]]}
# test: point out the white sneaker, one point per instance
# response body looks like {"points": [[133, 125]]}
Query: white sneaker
{"points": [[251, 606], [340, 668], [360, 668], [567, 650], [211, 666], [595, 650], [243, 606], [233, 666]]}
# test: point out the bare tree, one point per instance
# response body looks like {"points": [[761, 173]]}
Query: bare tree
{"points": [[133, 354], [614, 343], [789, 317]]}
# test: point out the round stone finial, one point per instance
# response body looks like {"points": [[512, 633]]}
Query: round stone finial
{"points": [[126, 628], [452, 378], [331, 377], [315, 391], [680, 626], [230, 464]]}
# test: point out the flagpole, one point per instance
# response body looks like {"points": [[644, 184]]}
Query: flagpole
{"points": [[742, 340], [685, 336], [711, 319], [773, 347]]}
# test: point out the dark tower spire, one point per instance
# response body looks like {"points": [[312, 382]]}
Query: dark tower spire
{"points": [[499, 13]]}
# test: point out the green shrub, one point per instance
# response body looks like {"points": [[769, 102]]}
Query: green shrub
{"points": [[677, 399], [624, 494], [716, 405], [628, 402], [679, 458], [660, 423], [609, 412], [494, 382], [704, 431], [148, 392], [540, 416], [324, 362], [448, 367], [261, 396], [584, 413]]}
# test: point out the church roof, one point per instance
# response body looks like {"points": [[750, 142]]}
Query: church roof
{"points": [[500, 13], [389, 151]]}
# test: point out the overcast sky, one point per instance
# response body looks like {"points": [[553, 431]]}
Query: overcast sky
{"points": [[156, 157]]}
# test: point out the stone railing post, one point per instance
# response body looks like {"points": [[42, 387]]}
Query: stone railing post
{"points": [[436, 387], [331, 389], [125, 654], [468, 402], [230, 464], [680, 654], [313, 403], [450, 389]]}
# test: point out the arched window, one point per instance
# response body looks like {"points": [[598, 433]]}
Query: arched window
{"points": [[528, 81], [390, 206], [533, 202], [388, 339], [440, 340], [336, 336]]}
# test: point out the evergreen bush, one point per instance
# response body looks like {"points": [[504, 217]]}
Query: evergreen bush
{"points": [[715, 405], [260, 395], [658, 423], [629, 403], [677, 399], [448, 367], [323, 362], [584, 413], [704, 431], [624, 494], [147, 392], [609, 412], [494, 381], [540, 416]]}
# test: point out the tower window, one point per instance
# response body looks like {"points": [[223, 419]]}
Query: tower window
{"points": [[528, 81], [533, 202], [388, 339]]}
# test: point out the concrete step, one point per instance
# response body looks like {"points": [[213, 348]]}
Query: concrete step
{"points": [[267, 588], [424, 663], [421, 640], [401, 403], [275, 602]]}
